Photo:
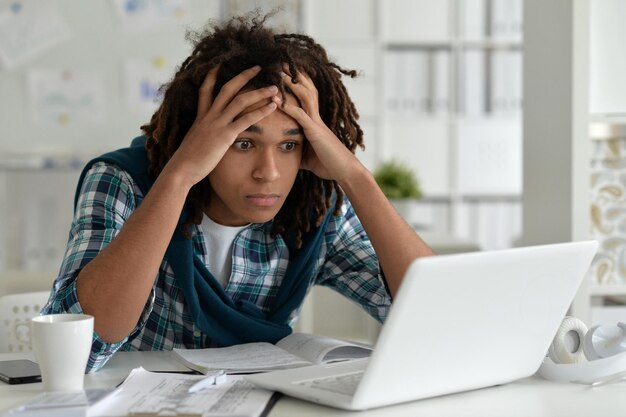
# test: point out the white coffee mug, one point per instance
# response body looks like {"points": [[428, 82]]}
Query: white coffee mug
{"points": [[62, 343]]}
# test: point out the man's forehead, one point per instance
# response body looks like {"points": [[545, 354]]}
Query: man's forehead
{"points": [[290, 100]]}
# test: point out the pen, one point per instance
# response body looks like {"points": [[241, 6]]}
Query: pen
{"points": [[213, 378]]}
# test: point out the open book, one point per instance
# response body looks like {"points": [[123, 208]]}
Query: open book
{"points": [[297, 349]]}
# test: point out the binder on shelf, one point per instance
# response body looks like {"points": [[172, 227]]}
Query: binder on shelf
{"points": [[407, 83], [498, 84], [492, 224], [473, 19], [515, 70], [440, 80], [415, 20], [410, 85], [505, 98], [392, 73], [489, 158], [517, 8], [472, 83], [500, 224], [414, 84], [506, 20], [325, 25]]}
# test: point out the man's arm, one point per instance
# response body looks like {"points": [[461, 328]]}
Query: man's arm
{"points": [[394, 241], [115, 285]]}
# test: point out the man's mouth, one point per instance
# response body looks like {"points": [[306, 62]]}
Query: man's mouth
{"points": [[263, 200]]}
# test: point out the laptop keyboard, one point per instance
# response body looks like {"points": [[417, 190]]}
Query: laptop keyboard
{"points": [[342, 384]]}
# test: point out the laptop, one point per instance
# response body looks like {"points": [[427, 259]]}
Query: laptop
{"points": [[459, 322]]}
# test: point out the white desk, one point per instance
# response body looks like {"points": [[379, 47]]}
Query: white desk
{"points": [[530, 397]]}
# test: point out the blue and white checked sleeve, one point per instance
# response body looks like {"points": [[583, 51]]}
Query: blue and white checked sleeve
{"points": [[351, 265], [107, 198]]}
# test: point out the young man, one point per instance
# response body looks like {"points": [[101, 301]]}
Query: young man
{"points": [[211, 228]]}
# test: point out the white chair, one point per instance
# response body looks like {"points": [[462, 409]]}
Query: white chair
{"points": [[15, 313]]}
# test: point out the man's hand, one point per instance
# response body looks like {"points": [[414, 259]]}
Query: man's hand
{"points": [[218, 123], [327, 157]]}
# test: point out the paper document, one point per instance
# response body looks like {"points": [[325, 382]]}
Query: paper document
{"points": [[295, 350], [146, 393], [59, 404]]}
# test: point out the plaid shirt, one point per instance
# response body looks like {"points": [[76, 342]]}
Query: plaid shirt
{"points": [[347, 263]]}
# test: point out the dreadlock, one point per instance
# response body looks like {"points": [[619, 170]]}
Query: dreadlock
{"points": [[235, 45]]}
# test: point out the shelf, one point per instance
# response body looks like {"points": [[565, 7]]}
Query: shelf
{"points": [[461, 118], [40, 161], [479, 198], [419, 118], [605, 290], [417, 45], [470, 198], [603, 127], [19, 280], [485, 43], [25, 273], [608, 118], [435, 199], [500, 44]]}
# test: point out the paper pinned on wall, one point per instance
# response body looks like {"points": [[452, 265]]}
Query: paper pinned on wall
{"points": [[140, 15], [28, 28], [143, 79], [64, 97]]}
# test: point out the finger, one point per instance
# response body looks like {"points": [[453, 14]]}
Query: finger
{"points": [[296, 112], [245, 100], [303, 77], [286, 69], [306, 94], [252, 117], [205, 94], [232, 87]]}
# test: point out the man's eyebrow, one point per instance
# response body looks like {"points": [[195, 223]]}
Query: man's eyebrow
{"points": [[288, 132], [293, 132]]}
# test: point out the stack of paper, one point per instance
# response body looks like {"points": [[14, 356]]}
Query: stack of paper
{"points": [[146, 393], [60, 404]]}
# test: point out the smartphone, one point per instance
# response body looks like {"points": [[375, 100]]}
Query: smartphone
{"points": [[19, 371]]}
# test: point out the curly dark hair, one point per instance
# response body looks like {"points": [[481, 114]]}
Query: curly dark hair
{"points": [[235, 45]]}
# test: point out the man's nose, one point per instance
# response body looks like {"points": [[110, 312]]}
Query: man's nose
{"points": [[266, 168]]}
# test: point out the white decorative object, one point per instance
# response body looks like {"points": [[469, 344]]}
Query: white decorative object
{"points": [[608, 210]]}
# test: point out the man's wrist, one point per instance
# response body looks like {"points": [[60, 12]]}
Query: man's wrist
{"points": [[175, 180], [361, 179]]}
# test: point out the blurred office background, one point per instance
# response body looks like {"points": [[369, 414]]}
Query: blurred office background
{"points": [[440, 90]]}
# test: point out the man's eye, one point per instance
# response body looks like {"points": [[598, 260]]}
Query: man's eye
{"points": [[289, 146], [242, 144]]}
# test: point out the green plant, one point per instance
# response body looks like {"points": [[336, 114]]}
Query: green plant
{"points": [[397, 181]]}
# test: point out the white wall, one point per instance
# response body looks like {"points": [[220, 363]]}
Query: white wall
{"points": [[608, 60], [99, 43]]}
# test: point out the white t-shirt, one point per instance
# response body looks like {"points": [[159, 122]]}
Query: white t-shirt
{"points": [[219, 247]]}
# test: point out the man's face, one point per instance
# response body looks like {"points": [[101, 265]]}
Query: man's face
{"points": [[252, 181]]}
